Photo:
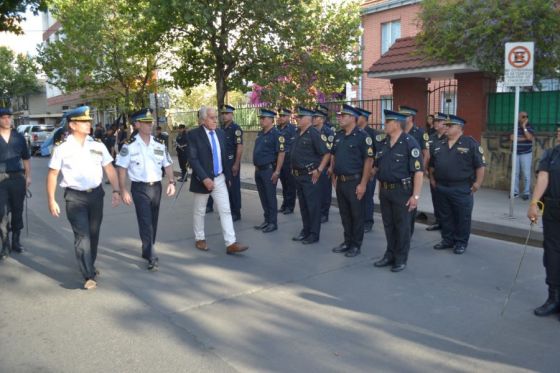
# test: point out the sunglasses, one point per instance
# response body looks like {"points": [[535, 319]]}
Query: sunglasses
{"points": [[523, 116]]}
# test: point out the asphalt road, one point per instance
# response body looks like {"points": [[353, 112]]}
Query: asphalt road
{"points": [[280, 307]]}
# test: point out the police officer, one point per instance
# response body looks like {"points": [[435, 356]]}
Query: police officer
{"points": [[288, 132], [142, 158], [309, 159], [268, 158], [15, 178], [325, 110], [81, 159], [457, 171], [327, 135], [439, 132], [352, 162], [181, 148], [234, 152], [547, 192], [398, 166], [370, 190], [421, 138]]}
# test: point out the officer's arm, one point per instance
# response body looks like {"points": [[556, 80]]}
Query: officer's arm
{"points": [[52, 176], [238, 155], [418, 177], [479, 178], [27, 171], [324, 162], [366, 172], [426, 156], [279, 162], [540, 187]]}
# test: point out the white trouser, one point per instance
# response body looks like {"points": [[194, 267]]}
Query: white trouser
{"points": [[221, 199]]}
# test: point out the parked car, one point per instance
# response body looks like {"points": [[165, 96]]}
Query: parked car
{"points": [[35, 135]]}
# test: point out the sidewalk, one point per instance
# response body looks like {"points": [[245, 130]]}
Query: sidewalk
{"points": [[490, 214]]}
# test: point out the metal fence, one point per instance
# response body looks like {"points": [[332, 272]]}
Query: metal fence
{"points": [[543, 109], [247, 115]]}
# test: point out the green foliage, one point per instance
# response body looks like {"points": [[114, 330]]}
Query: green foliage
{"points": [[319, 56], [11, 13], [107, 48], [475, 32], [204, 94], [17, 76]]}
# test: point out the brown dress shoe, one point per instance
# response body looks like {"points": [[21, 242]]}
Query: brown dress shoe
{"points": [[201, 245], [236, 248]]}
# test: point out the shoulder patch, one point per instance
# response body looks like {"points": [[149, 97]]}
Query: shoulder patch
{"points": [[380, 137], [331, 138], [480, 149], [415, 153], [368, 140], [124, 151], [426, 137], [281, 139], [130, 141], [417, 165], [324, 137], [237, 133]]}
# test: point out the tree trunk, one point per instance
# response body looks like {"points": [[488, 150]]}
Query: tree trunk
{"points": [[221, 86]]}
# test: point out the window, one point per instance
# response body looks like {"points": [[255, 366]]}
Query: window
{"points": [[449, 102], [390, 32], [386, 103]]}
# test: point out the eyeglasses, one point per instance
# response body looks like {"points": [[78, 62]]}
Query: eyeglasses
{"points": [[523, 116]]}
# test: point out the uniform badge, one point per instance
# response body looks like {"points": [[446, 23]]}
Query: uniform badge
{"points": [[323, 137], [238, 133], [415, 153], [331, 138], [370, 151], [483, 159], [481, 150], [124, 151], [417, 165], [380, 137], [281, 139], [239, 140], [329, 146], [463, 150], [368, 141], [281, 147], [426, 136], [158, 152]]}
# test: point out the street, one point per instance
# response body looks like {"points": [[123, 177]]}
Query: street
{"points": [[281, 306]]}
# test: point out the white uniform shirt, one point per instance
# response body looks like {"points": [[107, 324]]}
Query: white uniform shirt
{"points": [[81, 166], [144, 162], [220, 170]]}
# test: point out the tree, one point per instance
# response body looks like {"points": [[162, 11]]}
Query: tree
{"points": [[475, 32], [198, 96], [17, 76], [11, 13], [229, 42], [321, 55], [107, 48]]}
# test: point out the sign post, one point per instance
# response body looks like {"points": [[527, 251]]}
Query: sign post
{"points": [[518, 72]]}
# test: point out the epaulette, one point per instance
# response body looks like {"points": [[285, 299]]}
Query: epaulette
{"points": [[159, 140], [60, 141], [130, 141], [97, 139]]}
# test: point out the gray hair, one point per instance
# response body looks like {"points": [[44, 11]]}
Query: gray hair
{"points": [[203, 112]]}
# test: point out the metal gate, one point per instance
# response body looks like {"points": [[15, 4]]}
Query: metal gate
{"points": [[442, 97]]}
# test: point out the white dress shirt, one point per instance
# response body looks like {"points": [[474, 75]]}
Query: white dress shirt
{"points": [[81, 165], [219, 150], [144, 161]]}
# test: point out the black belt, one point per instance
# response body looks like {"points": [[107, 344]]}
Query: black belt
{"points": [[345, 178], [453, 183], [389, 186], [266, 167], [152, 183], [85, 191], [11, 173]]}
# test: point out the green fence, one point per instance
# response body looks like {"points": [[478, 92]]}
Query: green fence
{"points": [[543, 109]]}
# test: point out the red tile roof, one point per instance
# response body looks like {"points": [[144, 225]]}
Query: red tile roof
{"points": [[403, 56]]}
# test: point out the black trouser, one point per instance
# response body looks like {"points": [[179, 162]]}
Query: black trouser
{"points": [[182, 158], [288, 185], [455, 205], [267, 194], [551, 243], [352, 212], [396, 221], [85, 213], [369, 202], [147, 197], [309, 196], [437, 213], [12, 197], [326, 193], [234, 192]]}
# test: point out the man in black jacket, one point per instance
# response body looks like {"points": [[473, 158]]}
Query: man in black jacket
{"points": [[210, 176]]}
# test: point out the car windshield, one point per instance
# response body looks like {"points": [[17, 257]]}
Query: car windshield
{"points": [[42, 129]]}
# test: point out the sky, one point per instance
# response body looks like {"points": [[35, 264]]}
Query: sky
{"points": [[26, 43]]}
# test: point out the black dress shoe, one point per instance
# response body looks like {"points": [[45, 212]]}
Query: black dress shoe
{"points": [[354, 251], [384, 262], [433, 227], [443, 245], [552, 304], [16, 243], [309, 240], [459, 249], [282, 209], [398, 267], [368, 228], [288, 211], [342, 248], [270, 228], [324, 219], [262, 226], [153, 265], [299, 237], [236, 217]]}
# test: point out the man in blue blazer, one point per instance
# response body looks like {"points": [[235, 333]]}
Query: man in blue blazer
{"points": [[207, 157]]}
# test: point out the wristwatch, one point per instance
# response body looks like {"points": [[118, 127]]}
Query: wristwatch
{"points": [[417, 197], [172, 182]]}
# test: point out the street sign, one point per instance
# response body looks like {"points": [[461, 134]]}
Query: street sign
{"points": [[519, 62]]}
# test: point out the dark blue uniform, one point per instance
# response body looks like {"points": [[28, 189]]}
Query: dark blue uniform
{"points": [[351, 152], [288, 132], [396, 168], [234, 137], [434, 138], [12, 189], [182, 151], [307, 152], [327, 135], [454, 171], [370, 190], [267, 146], [422, 138]]}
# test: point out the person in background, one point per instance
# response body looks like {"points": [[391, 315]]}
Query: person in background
{"points": [[430, 125], [525, 136]]}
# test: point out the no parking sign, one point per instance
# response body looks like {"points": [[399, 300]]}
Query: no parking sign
{"points": [[519, 62]]}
